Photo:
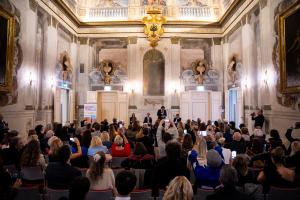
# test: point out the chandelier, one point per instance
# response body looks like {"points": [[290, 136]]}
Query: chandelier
{"points": [[154, 23]]}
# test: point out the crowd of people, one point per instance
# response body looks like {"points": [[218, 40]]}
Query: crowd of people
{"points": [[177, 158]]}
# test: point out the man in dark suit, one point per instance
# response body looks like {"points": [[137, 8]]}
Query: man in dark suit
{"points": [[148, 119], [259, 119], [162, 113], [177, 119]]}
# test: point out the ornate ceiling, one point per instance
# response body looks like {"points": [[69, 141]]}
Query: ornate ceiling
{"points": [[90, 11]]}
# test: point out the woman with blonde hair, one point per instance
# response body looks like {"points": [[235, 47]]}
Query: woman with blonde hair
{"points": [[105, 139], [120, 147], [201, 148], [179, 188], [96, 146], [55, 144], [101, 177]]}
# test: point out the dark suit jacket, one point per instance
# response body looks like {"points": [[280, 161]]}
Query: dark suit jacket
{"points": [[161, 114], [148, 121], [175, 120]]}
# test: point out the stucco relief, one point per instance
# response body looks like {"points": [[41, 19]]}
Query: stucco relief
{"points": [[9, 98]]}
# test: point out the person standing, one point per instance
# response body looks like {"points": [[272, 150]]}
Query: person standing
{"points": [[177, 119], [148, 120], [259, 119], [162, 113], [3, 127]]}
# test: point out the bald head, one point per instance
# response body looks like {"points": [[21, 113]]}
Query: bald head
{"points": [[237, 136]]}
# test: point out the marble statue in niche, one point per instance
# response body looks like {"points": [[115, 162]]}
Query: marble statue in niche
{"points": [[64, 69], [154, 73], [233, 70]]}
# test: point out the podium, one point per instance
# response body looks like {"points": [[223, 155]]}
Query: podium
{"points": [[206, 105]]}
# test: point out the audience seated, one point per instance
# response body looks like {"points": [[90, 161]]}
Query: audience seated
{"points": [[100, 176], [237, 144], [78, 189], [96, 146], [228, 179], [209, 174], [143, 136], [32, 157], [105, 139], [55, 144], [169, 167], [179, 188], [270, 175], [59, 175], [125, 183], [164, 163], [120, 147]]}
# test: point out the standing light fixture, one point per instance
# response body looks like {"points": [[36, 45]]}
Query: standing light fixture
{"points": [[154, 23]]}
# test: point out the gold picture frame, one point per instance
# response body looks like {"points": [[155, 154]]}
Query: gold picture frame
{"points": [[289, 48], [7, 26]]}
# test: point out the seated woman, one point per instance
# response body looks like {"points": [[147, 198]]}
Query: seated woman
{"points": [[270, 175], [143, 137], [105, 139], [54, 143], [207, 175], [32, 157], [101, 177], [140, 158], [120, 147], [96, 146]]}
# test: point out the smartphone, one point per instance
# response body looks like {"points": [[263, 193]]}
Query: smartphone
{"points": [[72, 140], [203, 133], [233, 154], [185, 131]]}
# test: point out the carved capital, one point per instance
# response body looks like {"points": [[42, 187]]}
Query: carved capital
{"points": [[175, 40], [83, 40], [132, 40]]}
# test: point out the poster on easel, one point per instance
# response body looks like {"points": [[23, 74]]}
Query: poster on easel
{"points": [[90, 111]]}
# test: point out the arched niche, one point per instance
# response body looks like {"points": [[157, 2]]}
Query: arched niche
{"points": [[153, 73]]}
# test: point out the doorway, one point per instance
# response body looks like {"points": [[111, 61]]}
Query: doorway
{"points": [[233, 109], [64, 102]]}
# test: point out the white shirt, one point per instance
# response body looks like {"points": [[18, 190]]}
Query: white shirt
{"points": [[227, 155]]}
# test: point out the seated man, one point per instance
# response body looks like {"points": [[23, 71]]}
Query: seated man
{"points": [[125, 183], [228, 178], [59, 175]]}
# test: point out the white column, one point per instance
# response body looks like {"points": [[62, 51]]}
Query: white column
{"points": [[225, 48], [247, 62]]}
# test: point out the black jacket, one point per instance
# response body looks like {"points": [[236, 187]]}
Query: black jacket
{"points": [[228, 193], [60, 175]]}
